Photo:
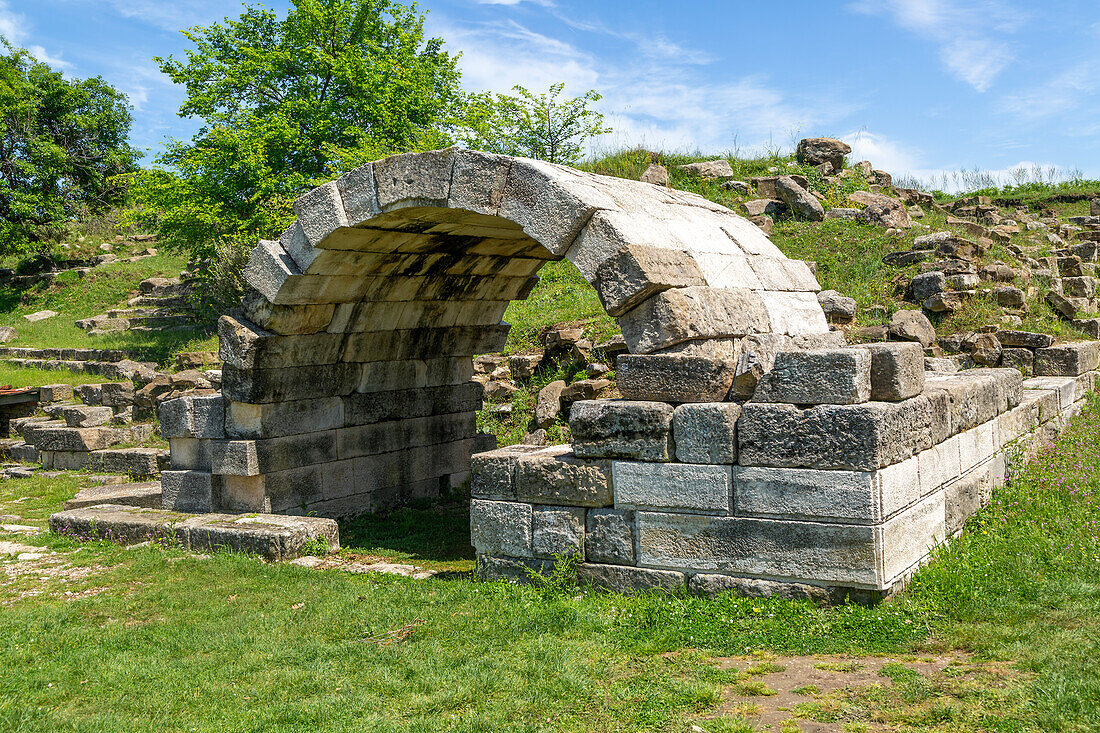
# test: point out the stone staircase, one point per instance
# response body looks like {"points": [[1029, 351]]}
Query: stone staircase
{"points": [[163, 305]]}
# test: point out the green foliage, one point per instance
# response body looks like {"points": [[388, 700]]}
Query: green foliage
{"points": [[63, 146], [532, 125], [289, 102]]}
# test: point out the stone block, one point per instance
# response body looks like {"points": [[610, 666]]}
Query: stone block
{"points": [[286, 320], [685, 314], [47, 437], [143, 494], [972, 400], [674, 378], [557, 531], [493, 473], [1064, 387], [897, 370], [621, 579], [501, 528], [424, 343], [89, 394], [1067, 360], [137, 462], [757, 354], [1019, 358], [556, 476], [244, 345], [854, 437], [938, 465], [64, 460], [706, 432], [711, 584], [829, 553], [290, 383], [187, 491], [85, 416], [386, 437], [622, 429], [190, 453], [909, 537], [672, 486], [116, 394], [511, 569], [637, 272], [863, 497], [609, 537], [1008, 385], [977, 445], [275, 419], [55, 393], [967, 494], [831, 377], [255, 457], [193, 417]]}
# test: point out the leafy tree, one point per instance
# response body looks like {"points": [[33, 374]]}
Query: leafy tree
{"points": [[536, 126], [62, 144], [288, 102]]}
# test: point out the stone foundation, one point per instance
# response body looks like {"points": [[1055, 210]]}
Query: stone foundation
{"points": [[822, 501]]}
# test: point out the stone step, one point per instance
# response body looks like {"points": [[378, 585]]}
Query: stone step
{"points": [[273, 536], [150, 301], [143, 494], [142, 312], [136, 462], [162, 322], [103, 324], [159, 287], [112, 355]]}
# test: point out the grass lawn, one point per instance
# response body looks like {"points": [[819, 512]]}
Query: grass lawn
{"points": [[34, 377], [1006, 623]]}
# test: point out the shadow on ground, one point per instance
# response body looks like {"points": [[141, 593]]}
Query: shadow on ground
{"points": [[421, 533]]}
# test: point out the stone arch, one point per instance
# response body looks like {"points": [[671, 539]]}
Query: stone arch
{"points": [[346, 380]]}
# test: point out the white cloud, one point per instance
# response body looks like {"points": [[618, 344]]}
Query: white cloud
{"points": [[649, 100], [969, 33], [884, 153], [176, 15], [544, 3], [13, 26], [1062, 93], [55, 61]]}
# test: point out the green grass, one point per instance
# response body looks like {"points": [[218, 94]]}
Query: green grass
{"points": [[152, 639], [34, 377], [104, 288], [562, 296]]}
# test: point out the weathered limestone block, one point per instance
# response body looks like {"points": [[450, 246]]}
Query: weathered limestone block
{"points": [[863, 497], [116, 394], [255, 457], [673, 378], [711, 584], [501, 528], [557, 531], [191, 453], [610, 536], [413, 179], [1021, 359], [757, 354], [556, 476], [385, 437], [193, 417], [706, 432], [424, 343], [388, 376], [90, 394], [1068, 359], [290, 383], [621, 579], [897, 370], [938, 465], [794, 314], [909, 537], [511, 569], [54, 437], [857, 437], [275, 419], [269, 269], [972, 400], [622, 429], [55, 393], [84, 416], [638, 272], [833, 377], [138, 462], [372, 407], [246, 346], [839, 553], [684, 314], [969, 493], [672, 486], [286, 320], [1064, 389], [977, 445], [1008, 385]]}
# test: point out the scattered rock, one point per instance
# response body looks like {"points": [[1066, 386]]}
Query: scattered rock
{"points": [[548, 403], [710, 169], [911, 325], [737, 186], [40, 316], [818, 150], [656, 174], [7, 333], [799, 199], [838, 308]]}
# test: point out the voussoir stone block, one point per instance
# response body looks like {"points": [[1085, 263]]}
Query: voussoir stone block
{"points": [[706, 432], [501, 528], [673, 378], [683, 314], [831, 377], [636, 272], [556, 476], [672, 486], [622, 429], [609, 536], [897, 370], [856, 437]]}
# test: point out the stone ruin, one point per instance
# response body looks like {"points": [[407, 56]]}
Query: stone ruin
{"points": [[753, 450]]}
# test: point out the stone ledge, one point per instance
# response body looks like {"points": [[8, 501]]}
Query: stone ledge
{"points": [[275, 537]]}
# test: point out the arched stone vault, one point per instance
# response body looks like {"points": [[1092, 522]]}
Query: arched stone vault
{"points": [[347, 377]]}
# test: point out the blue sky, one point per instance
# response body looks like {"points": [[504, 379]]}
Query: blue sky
{"points": [[917, 86]]}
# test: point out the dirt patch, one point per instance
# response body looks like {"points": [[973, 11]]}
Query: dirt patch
{"points": [[823, 694], [362, 564], [41, 572]]}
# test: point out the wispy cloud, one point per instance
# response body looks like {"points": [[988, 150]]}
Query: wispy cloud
{"points": [[175, 15], [657, 100], [13, 26], [55, 61], [1062, 93], [969, 33]]}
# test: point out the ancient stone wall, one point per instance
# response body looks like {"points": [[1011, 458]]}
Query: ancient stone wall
{"points": [[836, 479], [347, 376]]}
